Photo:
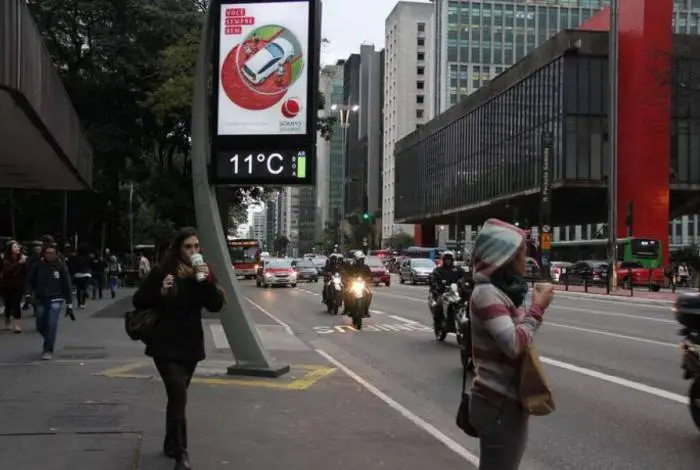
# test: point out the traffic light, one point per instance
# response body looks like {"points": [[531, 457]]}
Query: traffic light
{"points": [[365, 216]]}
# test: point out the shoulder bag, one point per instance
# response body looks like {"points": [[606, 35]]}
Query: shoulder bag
{"points": [[140, 324]]}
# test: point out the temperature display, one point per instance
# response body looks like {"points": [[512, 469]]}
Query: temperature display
{"points": [[246, 167]]}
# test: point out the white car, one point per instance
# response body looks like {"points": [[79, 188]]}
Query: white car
{"points": [[267, 60], [557, 268]]}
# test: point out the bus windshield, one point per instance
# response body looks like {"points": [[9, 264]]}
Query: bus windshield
{"points": [[644, 248], [244, 251]]}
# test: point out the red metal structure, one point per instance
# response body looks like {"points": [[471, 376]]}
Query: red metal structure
{"points": [[644, 113]]}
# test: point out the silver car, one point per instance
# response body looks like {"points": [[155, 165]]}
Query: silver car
{"points": [[415, 270]]}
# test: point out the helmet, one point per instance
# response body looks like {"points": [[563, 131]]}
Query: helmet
{"points": [[359, 255], [448, 254]]}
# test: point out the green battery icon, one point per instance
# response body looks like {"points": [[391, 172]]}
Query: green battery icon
{"points": [[301, 167]]}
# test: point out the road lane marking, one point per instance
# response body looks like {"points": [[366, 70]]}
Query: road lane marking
{"points": [[640, 387], [372, 327], [405, 412], [307, 375], [656, 305], [612, 335], [274, 318], [614, 314], [405, 320]]}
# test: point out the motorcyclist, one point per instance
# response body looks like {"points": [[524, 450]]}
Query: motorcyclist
{"points": [[334, 264], [357, 269], [446, 274]]}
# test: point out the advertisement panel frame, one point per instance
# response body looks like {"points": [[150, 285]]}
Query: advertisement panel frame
{"points": [[224, 146]]}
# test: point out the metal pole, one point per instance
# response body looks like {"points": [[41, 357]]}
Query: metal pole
{"points": [[250, 356], [131, 219], [344, 115], [613, 60]]}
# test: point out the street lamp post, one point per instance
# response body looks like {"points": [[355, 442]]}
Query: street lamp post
{"points": [[612, 140], [344, 111]]}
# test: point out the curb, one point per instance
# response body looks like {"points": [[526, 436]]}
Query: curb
{"points": [[613, 298]]}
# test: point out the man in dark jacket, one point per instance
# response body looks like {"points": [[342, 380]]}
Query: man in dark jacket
{"points": [[49, 282], [334, 264]]}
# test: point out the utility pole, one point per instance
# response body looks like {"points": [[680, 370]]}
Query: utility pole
{"points": [[613, 61]]}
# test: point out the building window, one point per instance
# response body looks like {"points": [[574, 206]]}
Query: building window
{"points": [[420, 85], [419, 113], [421, 56], [420, 70], [421, 27], [421, 42], [420, 99]]}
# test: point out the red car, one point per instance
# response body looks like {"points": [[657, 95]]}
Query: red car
{"points": [[630, 273], [380, 273]]}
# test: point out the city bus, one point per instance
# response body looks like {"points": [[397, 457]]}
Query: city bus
{"points": [[245, 256], [433, 254], [645, 251]]}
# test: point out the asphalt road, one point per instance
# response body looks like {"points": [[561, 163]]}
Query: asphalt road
{"points": [[614, 368]]}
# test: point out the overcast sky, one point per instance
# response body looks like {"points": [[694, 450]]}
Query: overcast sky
{"points": [[349, 23]]}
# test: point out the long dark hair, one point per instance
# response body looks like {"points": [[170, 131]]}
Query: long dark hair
{"points": [[8, 251], [173, 258]]}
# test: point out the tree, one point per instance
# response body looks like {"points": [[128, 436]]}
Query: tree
{"points": [[128, 67], [400, 240], [280, 244]]}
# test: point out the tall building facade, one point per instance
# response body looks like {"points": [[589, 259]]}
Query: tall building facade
{"points": [[337, 154], [272, 229], [363, 86], [307, 219], [476, 40], [289, 218], [258, 225], [407, 91]]}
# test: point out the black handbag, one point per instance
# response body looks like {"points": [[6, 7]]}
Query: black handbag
{"points": [[463, 421], [139, 324]]}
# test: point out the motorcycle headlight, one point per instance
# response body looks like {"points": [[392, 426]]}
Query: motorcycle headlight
{"points": [[357, 288], [268, 275]]}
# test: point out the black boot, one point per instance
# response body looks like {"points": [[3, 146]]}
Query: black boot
{"points": [[169, 445], [182, 462], [182, 458]]}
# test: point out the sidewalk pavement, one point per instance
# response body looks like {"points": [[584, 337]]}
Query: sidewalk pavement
{"points": [[98, 405], [638, 295]]}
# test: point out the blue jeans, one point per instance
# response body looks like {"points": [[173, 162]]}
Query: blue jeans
{"points": [[47, 322], [113, 284]]}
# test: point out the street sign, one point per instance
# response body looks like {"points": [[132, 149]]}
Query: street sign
{"points": [[546, 229], [545, 241], [364, 241], [265, 92]]}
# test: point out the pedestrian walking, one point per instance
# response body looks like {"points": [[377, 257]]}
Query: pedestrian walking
{"points": [[114, 270], [177, 290], [502, 331], [49, 283], [14, 280], [79, 268], [98, 267]]}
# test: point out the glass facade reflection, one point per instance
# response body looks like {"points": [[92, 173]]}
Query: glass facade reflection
{"points": [[479, 39], [493, 150]]}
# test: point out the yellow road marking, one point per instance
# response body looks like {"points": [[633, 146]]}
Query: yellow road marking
{"points": [[313, 374]]}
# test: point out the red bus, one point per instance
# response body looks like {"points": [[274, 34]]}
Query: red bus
{"points": [[381, 254], [245, 256]]}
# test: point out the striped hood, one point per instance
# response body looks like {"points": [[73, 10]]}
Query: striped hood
{"points": [[496, 245]]}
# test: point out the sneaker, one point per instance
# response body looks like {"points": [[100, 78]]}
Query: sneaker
{"points": [[47, 356]]}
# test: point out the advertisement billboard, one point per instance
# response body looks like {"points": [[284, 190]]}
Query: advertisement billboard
{"points": [[263, 68]]}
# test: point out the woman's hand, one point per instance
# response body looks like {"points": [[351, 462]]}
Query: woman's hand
{"points": [[543, 296], [22, 259], [203, 268], [168, 282]]}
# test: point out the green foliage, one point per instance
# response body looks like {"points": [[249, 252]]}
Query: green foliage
{"points": [[400, 240]]}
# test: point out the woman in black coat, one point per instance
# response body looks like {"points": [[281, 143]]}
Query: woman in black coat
{"points": [[177, 342]]}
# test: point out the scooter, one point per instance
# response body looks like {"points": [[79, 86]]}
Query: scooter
{"points": [[445, 319]]}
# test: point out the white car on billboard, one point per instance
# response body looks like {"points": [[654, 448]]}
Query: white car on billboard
{"points": [[267, 60]]}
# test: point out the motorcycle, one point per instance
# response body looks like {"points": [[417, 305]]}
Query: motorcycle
{"points": [[687, 312], [451, 301], [334, 296], [357, 303]]}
